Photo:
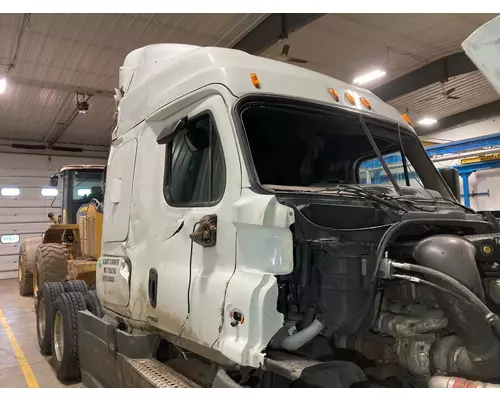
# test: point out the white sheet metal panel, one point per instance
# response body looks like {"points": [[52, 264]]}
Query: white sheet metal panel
{"points": [[121, 174], [26, 215], [483, 48]]}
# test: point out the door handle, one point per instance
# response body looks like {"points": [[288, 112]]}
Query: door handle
{"points": [[153, 287], [205, 231]]}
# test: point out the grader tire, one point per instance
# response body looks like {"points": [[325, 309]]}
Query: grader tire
{"points": [[26, 264], [65, 355], [51, 260]]}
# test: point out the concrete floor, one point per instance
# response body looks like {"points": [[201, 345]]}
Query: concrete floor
{"points": [[19, 313]]}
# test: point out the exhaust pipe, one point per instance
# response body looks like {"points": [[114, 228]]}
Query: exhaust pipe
{"points": [[475, 351], [439, 382]]}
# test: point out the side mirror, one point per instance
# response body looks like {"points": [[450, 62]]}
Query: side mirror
{"points": [[54, 180], [452, 179], [169, 132]]}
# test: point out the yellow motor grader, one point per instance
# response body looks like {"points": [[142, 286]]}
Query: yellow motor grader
{"points": [[68, 251]]}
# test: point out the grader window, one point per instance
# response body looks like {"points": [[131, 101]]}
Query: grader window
{"points": [[195, 165]]}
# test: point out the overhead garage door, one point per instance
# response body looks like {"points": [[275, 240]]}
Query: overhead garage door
{"points": [[23, 206]]}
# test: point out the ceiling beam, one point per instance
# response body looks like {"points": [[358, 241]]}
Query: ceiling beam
{"points": [[466, 117], [436, 71], [62, 87], [269, 31]]}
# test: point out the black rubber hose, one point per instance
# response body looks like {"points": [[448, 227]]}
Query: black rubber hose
{"points": [[451, 281], [458, 296], [491, 318], [394, 231]]}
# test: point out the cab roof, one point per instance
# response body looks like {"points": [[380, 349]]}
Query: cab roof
{"points": [[153, 76]]}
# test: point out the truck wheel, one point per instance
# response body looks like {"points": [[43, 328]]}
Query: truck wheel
{"points": [[51, 259], [75, 286], [93, 304], [47, 296], [26, 264], [65, 337]]}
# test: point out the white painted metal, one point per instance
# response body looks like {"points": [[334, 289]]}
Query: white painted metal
{"points": [[26, 214], [199, 288], [483, 48], [121, 168], [174, 77]]}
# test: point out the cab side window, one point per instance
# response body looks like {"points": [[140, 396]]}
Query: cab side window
{"points": [[195, 169]]}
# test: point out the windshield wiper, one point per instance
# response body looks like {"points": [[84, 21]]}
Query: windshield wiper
{"points": [[379, 155], [359, 192]]}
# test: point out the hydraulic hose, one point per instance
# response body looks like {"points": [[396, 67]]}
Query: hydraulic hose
{"points": [[394, 231], [491, 318], [451, 281], [458, 296], [473, 352]]}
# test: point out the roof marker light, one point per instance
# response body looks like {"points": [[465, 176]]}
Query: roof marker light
{"points": [[255, 80], [366, 103], [371, 76], [407, 119], [350, 98], [334, 94]]}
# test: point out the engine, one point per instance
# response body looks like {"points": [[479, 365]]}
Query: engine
{"points": [[406, 296]]}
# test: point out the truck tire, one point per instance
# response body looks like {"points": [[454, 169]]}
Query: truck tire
{"points": [[65, 335], [26, 264], [75, 286], [51, 260], [47, 296], [93, 304]]}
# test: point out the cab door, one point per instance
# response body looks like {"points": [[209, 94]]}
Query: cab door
{"points": [[202, 182]]}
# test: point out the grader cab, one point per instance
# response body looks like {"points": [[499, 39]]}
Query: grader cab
{"points": [[69, 249]]}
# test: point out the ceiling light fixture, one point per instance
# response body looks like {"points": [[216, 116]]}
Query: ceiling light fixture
{"points": [[82, 103], [83, 107], [371, 76], [427, 121], [3, 85]]}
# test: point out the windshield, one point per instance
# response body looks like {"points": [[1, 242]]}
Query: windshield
{"points": [[87, 185], [370, 171], [304, 145]]}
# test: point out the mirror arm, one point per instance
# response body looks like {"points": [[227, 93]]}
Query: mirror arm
{"points": [[169, 132]]}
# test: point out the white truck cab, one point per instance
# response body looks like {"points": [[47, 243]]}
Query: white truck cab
{"points": [[245, 201]]}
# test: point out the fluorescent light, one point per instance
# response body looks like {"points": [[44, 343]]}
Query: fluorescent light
{"points": [[9, 239], [427, 121], [49, 192], [360, 80], [10, 191], [3, 85]]}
